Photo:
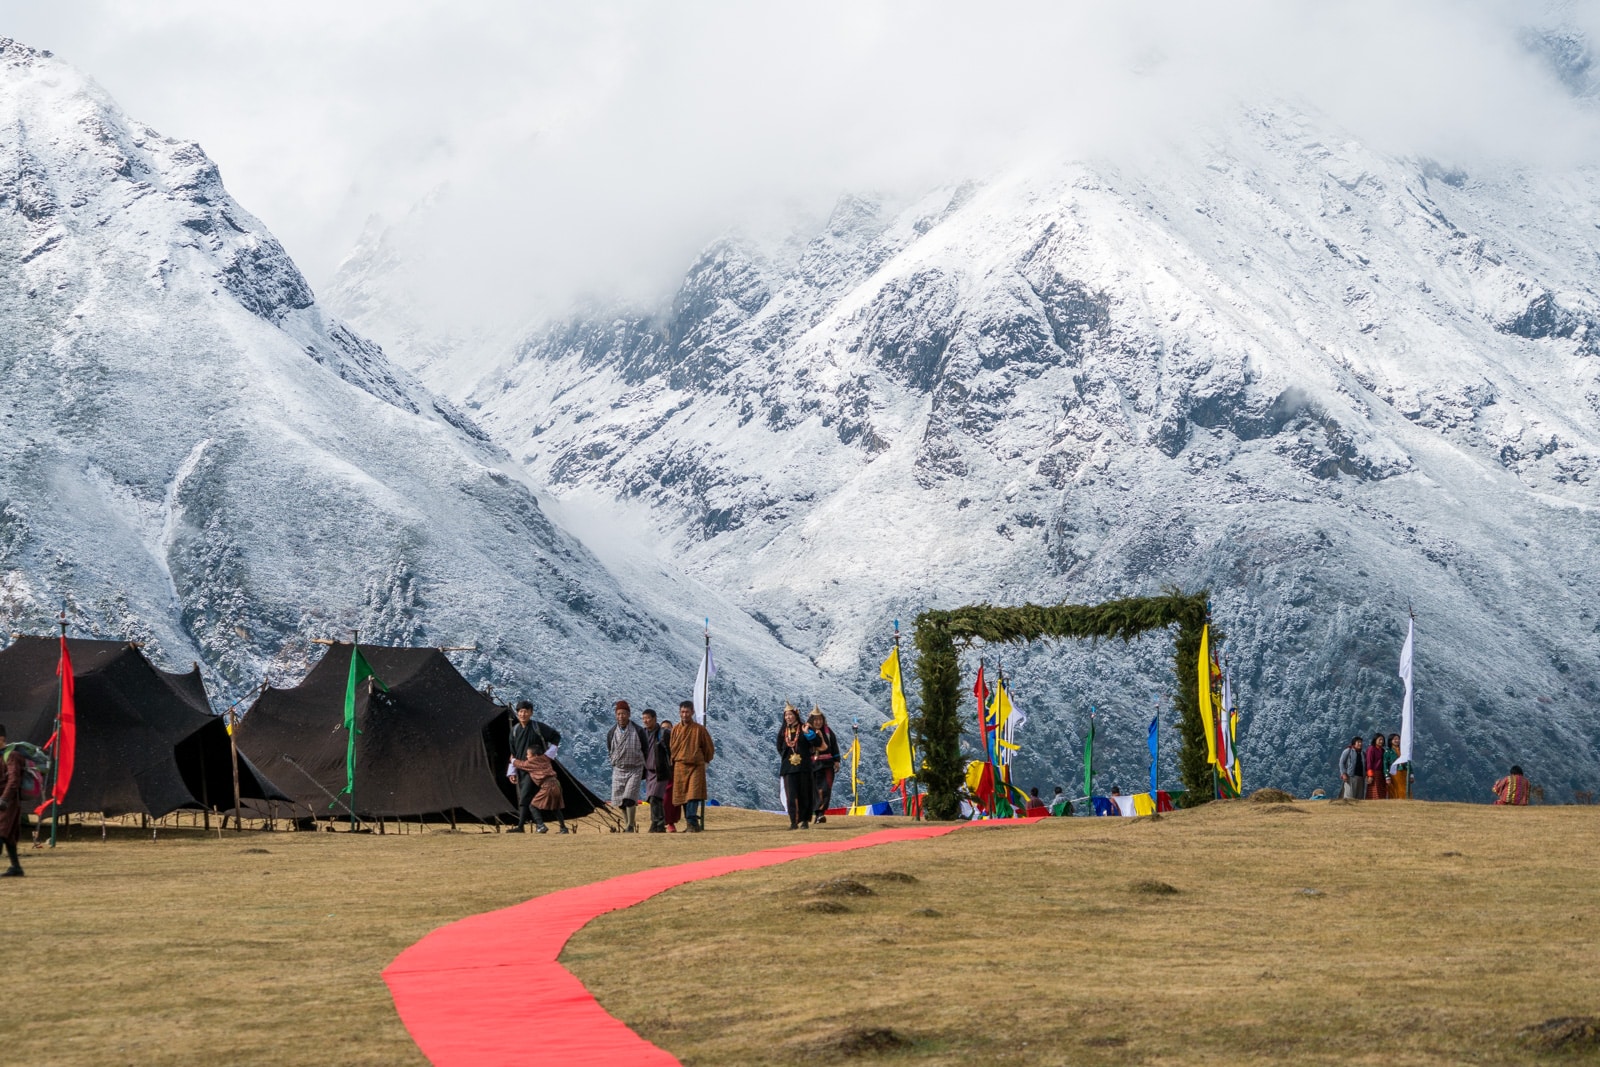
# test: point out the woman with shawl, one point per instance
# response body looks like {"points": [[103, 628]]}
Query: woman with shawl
{"points": [[794, 767]]}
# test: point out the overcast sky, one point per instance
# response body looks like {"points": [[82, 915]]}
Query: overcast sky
{"points": [[594, 147]]}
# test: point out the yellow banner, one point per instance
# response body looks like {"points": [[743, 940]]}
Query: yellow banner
{"points": [[898, 750], [1207, 716]]}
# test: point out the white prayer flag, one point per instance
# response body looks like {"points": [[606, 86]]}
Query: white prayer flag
{"points": [[702, 684], [1405, 710]]}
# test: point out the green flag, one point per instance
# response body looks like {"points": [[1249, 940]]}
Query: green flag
{"points": [[360, 671], [1088, 760]]}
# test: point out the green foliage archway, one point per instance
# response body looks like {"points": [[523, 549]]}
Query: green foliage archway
{"points": [[939, 632]]}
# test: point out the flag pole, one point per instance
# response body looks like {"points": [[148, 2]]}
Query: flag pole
{"points": [[1411, 683], [1088, 760], [910, 738], [55, 764], [705, 712], [1155, 754], [855, 748], [233, 748], [1001, 788], [355, 650]]}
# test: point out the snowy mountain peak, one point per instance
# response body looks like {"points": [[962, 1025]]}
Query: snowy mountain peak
{"points": [[200, 457], [1323, 381]]}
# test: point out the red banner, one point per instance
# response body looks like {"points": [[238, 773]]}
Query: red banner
{"points": [[65, 741]]}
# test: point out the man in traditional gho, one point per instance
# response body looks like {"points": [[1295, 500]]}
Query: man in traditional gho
{"points": [[657, 769], [692, 748], [824, 763], [1514, 788], [625, 744], [795, 745], [11, 775]]}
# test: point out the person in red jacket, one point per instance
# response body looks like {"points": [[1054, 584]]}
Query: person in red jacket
{"points": [[11, 807], [1514, 788], [1377, 781]]}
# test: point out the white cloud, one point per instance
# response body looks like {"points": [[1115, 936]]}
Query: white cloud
{"points": [[594, 147]]}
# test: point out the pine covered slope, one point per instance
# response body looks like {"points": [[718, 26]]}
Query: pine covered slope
{"points": [[1324, 382], [200, 457]]}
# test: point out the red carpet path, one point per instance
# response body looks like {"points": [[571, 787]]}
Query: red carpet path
{"points": [[488, 990]]}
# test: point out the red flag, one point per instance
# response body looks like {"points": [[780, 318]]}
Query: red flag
{"points": [[66, 738]]}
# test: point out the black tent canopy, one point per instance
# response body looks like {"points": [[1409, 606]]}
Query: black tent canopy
{"points": [[146, 739], [430, 745]]}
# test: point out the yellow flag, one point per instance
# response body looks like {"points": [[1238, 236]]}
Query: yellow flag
{"points": [[1000, 706], [855, 765], [974, 776], [899, 748], [1207, 717]]}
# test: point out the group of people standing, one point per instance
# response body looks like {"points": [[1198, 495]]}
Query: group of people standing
{"points": [[808, 759], [666, 762], [1372, 774]]}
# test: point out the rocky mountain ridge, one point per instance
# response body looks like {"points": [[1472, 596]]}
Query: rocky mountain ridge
{"points": [[1327, 383]]}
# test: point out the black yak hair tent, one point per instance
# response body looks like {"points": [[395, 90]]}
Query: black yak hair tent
{"points": [[431, 745], [147, 740]]}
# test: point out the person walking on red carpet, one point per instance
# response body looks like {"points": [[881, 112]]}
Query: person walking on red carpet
{"points": [[692, 749], [795, 745], [825, 756]]}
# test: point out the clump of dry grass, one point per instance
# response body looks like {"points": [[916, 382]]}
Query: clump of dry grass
{"points": [[1151, 888], [1569, 1034], [1280, 809], [1272, 796], [825, 907], [861, 1042], [842, 887]]}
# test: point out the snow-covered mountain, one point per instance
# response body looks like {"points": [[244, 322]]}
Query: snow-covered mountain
{"points": [[1325, 382], [198, 455]]}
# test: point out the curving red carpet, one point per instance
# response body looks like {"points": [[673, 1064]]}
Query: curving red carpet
{"points": [[488, 989]]}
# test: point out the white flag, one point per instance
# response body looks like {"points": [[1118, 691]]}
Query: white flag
{"points": [[702, 683], [1405, 711]]}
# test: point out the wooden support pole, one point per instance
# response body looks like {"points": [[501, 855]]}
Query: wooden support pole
{"points": [[233, 746]]}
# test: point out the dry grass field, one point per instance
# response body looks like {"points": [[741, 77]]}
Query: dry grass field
{"points": [[1378, 933], [192, 950]]}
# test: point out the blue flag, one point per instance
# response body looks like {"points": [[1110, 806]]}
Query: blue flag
{"points": [[1155, 750]]}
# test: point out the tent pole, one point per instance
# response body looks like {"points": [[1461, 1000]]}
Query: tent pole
{"points": [[205, 789], [55, 764], [233, 747]]}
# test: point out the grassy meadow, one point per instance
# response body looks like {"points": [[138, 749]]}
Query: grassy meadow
{"points": [[1383, 933], [267, 948], [1241, 933]]}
